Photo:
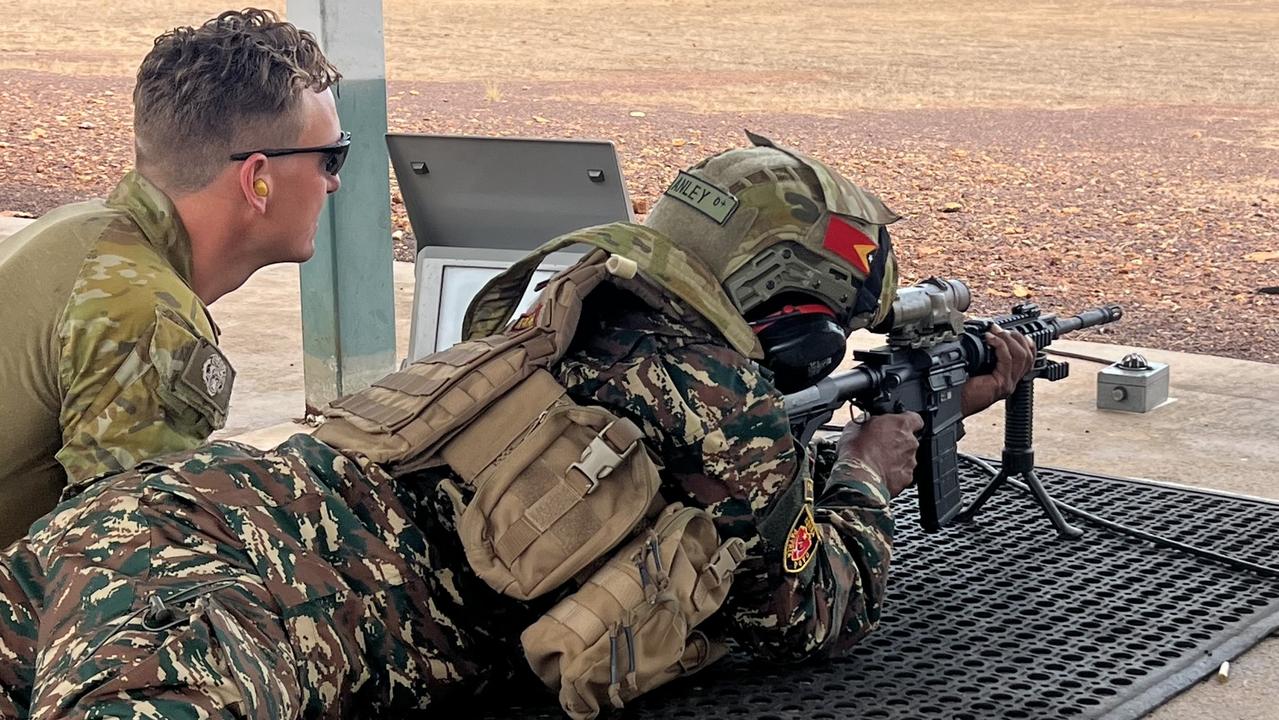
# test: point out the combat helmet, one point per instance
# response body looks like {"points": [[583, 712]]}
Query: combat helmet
{"points": [[802, 253]]}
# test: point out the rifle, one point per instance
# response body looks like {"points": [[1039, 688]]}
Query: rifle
{"points": [[932, 350]]}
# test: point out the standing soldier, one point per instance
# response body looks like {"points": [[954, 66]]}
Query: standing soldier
{"points": [[114, 358], [444, 527]]}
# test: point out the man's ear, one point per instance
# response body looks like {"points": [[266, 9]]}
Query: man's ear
{"points": [[255, 182]]}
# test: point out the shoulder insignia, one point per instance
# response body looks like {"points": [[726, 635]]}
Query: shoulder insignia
{"points": [[209, 374], [801, 542]]}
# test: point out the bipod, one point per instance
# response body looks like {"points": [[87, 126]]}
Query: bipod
{"points": [[1019, 451]]}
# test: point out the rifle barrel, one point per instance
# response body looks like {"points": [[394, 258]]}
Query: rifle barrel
{"points": [[831, 392], [1089, 318]]}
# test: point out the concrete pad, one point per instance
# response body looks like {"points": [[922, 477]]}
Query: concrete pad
{"points": [[261, 327], [11, 225], [272, 435]]}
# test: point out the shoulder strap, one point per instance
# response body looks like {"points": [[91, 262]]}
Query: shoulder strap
{"points": [[658, 259]]}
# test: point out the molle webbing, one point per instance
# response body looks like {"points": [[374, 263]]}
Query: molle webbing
{"points": [[402, 420]]}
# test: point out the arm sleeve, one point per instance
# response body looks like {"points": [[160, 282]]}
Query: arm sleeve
{"points": [[727, 446], [123, 396]]}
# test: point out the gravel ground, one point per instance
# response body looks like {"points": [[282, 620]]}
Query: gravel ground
{"points": [[1171, 211]]}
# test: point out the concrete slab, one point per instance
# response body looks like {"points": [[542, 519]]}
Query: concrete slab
{"points": [[11, 225], [1222, 432], [261, 327]]}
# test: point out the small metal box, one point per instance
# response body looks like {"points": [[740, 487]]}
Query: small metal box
{"points": [[1133, 385]]}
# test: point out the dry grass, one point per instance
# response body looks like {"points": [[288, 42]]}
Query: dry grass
{"points": [[758, 54]]}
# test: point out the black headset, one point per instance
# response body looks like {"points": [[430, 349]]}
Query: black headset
{"points": [[802, 344]]}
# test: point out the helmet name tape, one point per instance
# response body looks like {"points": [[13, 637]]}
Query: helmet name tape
{"points": [[703, 197]]}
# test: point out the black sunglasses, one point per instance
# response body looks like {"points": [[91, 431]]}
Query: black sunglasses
{"points": [[332, 164]]}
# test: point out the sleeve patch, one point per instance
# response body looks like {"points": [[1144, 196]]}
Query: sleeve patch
{"points": [[209, 375], [193, 371], [801, 542]]}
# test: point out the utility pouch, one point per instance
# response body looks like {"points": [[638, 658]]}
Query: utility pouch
{"points": [[556, 486], [631, 627]]}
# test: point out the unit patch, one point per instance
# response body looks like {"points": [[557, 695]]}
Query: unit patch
{"points": [[703, 197], [206, 381], [801, 543], [214, 372]]}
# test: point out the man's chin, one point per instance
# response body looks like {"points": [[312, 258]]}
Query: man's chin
{"points": [[307, 250], [296, 258]]}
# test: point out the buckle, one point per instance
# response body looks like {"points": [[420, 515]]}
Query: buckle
{"points": [[599, 459], [725, 560]]}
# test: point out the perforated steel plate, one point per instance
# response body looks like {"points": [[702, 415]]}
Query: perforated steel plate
{"points": [[1001, 619]]}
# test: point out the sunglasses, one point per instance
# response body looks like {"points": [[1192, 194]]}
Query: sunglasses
{"points": [[336, 153]]}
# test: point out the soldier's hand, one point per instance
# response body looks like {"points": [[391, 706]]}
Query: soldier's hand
{"points": [[886, 443], [1014, 356]]}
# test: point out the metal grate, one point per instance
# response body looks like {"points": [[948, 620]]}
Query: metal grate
{"points": [[1001, 619]]}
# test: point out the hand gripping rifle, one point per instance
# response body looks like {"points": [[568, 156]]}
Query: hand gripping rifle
{"points": [[932, 350]]}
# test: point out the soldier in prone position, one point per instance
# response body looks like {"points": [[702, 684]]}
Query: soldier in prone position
{"points": [[602, 490]]}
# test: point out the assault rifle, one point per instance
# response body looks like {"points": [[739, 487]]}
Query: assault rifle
{"points": [[932, 351]]}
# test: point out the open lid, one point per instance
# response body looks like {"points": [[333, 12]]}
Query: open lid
{"points": [[505, 193]]}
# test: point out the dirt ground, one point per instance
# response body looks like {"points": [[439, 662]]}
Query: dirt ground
{"points": [[1065, 153]]}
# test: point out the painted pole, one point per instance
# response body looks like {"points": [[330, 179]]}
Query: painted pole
{"points": [[348, 301]]}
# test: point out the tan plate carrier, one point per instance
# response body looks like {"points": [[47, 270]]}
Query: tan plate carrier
{"points": [[555, 488]]}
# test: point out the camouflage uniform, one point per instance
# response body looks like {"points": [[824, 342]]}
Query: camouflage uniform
{"points": [[116, 360], [305, 586], [309, 587], [719, 427], [297, 583]]}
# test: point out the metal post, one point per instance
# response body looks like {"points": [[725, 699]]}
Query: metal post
{"points": [[348, 300]]}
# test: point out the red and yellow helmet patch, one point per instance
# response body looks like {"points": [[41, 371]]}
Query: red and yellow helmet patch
{"points": [[851, 244]]}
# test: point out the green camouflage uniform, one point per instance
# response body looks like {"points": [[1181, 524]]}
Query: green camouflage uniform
{"points": [[719, 428], [115, 360]]}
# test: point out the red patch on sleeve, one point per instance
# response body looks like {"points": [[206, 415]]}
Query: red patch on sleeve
{"points": [[801, 543]]}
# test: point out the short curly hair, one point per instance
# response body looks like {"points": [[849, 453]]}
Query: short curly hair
{"points": [[233, 83]]}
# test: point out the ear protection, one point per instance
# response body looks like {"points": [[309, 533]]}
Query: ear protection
{"points": [[260, 188], [802, 344]]}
